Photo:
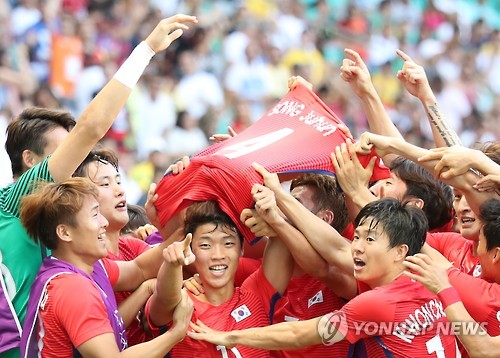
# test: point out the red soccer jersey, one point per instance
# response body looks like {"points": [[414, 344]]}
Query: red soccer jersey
{"points": [[480, 298], [308, 298], [72, 313], [297, 135], [246, 267], [251, 306], [457, 249], [402, 318], [128, 249]]}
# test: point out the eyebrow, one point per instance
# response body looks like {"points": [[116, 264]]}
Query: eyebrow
{"points": [[357, 232]]}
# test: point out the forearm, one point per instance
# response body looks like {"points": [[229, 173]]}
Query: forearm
{"points": [[303, 253], [167, 294], [286, 335], [378, 119], [323, 238], [478, 345], [444, 135], [157, 347], [277, 264], [129, 307]]}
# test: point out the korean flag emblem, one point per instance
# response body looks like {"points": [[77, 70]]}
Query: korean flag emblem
{"points": [[317, 298], [240, 313]]}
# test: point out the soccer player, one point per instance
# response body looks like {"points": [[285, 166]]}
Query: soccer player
{"points": [[316, 287], [71, 305], [384, 313], [101, 167], [458, 290], [212, 237], [21, 256]]}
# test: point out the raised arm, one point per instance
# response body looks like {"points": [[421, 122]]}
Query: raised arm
{"points": [[413, 78], [355, 72], [277, 261], [384, 145], [98, 117], [327, 242], [169, 283]]}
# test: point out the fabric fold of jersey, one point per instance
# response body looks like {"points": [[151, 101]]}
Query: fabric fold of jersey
{"points": [[297, 135]]}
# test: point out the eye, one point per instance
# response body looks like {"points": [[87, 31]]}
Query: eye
{"points": [[355, 238], [457, 197], [204, 246], [230, 243], [370, 239]]}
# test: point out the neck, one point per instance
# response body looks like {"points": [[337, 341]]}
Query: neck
{"points": [[113, 237], [218, 296], [389, 277], [78, 261]]}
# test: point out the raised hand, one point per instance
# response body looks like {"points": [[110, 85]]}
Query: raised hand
{"points": [[367, 141], [265, 204], [179, 252], [271, 180], [452, 161], [355, 72], [412, 76], [350, 174], [295, 80], [256, 224], [217, 138], [178, 167], [168, 30]]}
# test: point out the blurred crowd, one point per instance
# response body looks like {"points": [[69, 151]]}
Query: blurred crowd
{"points": [[235, 64]]}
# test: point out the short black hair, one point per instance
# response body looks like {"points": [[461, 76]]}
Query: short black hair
{"points": [[402, 223], [208, 212], [27, 131], [436, 195], [489, 213]]}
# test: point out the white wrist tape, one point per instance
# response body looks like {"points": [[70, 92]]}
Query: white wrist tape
{"points": [[133, 67]]}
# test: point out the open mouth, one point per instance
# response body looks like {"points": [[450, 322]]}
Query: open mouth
{"points": [[218, 268], [358, 263], [121, 204], [102, 237]]}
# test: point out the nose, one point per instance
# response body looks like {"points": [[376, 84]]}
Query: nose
{"points": [[119, 191], [357, 246], [103, 221], [217, 252], [462, 205]]}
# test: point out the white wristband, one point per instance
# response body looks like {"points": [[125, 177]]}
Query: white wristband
{"points": [[133, 67]]}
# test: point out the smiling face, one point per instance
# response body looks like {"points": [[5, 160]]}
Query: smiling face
{"points": [[112, 199], [468, 223], [217, 250], [87, 238], [374, 260]]}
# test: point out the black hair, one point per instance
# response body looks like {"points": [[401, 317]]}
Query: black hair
{"points": [[402, 223]]}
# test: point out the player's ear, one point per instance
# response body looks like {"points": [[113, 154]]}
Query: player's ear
{"points": [[327, 216], [496, 254], [419, 203], [401, 252]]}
